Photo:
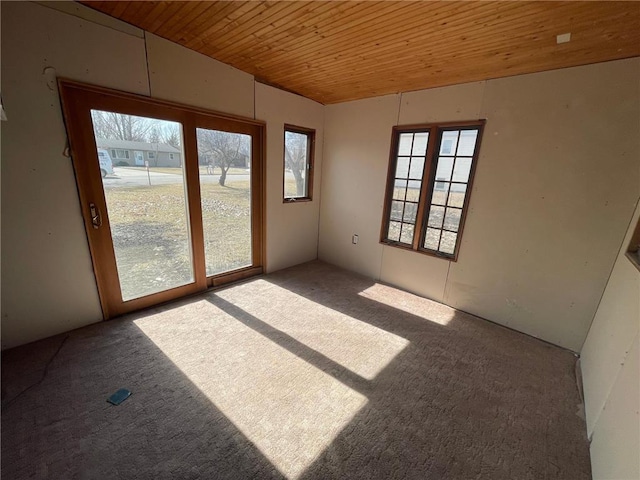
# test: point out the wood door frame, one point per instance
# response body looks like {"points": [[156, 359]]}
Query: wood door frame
{"points": [[77, 101]]}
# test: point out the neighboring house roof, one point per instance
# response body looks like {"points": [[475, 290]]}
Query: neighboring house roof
{"points": [[131, 145]]}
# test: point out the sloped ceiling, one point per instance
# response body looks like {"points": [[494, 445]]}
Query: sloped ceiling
{"points": [[337, 51]]}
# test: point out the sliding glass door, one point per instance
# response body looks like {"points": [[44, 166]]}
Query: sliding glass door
{"points": [[171, 196]]}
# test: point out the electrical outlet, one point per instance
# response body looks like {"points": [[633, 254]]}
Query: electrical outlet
{"points": [[354, 239]]}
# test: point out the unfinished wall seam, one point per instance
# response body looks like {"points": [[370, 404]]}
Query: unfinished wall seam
{"points": [[610, 389], [484, 90], [446, 284], [93, 16], [613, 266], [146, 59], [324, 120]]}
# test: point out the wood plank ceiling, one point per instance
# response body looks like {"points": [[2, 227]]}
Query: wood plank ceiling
{"points": [[333, 51]]}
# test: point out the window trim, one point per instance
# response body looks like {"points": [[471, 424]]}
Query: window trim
{"points": [[77, 100], [311, 147], [125, 153], [633, 249], [427, 184]]}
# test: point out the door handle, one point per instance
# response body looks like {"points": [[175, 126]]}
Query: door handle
{"points": [[96, 218]]}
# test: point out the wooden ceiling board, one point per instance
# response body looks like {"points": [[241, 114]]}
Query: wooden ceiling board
{"points": [[299, 33], [181, 17], [346, 50], [339, 39], [228, 22], [190, 33], [411, 44], [265, 21], [381, 48]]}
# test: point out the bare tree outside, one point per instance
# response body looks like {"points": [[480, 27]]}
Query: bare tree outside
{"points": [[296, 151], [170, 134], [117, 126], [224, 149]]}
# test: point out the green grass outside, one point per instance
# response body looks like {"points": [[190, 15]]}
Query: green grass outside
{"points": [[150, 236]]}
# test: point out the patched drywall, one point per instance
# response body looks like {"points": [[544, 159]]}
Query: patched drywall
{"points": [[292, 228], [611, 373], [556, 183]]}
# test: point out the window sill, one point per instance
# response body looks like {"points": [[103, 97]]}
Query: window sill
{"points": [[428, 253], [296, 200]]}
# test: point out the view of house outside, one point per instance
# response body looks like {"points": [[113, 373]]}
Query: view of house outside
{"points": [[147, 207]]}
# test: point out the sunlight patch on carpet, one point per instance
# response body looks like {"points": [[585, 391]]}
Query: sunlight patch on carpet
{"points": [[360, 347], [291, 410], [405, 301]]}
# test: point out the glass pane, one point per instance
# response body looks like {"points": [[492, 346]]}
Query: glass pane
{"points": [[225, 193], [420, 144], [296, 164], [452, 219], [410, 211], [399, 189], [449, 143], [467, 143], [440, 191], [404, 146], [462, 169], [413, 192], [146, 202], [456, 195], [432, 239], [443, 170], [436, 215], [396, 211], [417, 166], [394, 231], [407, 233], [402, 167], [448, 242]]}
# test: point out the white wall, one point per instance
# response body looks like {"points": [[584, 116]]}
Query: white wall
{"points": [[48, 284], [555, 187], [292, 228], [610, 361]]}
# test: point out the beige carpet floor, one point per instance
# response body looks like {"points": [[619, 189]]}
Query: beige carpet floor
{"points": [[309, 373]]}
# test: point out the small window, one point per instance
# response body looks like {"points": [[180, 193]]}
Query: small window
{"points": [[151, 155], [633, 251], [171, 156], [429, 182], [120, 154], [298, 163]]}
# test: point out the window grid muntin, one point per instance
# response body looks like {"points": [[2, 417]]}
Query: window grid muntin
{"points": [[420, 156], [450, 182], [457, 197]]}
